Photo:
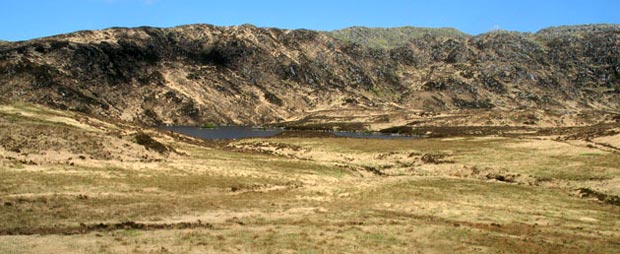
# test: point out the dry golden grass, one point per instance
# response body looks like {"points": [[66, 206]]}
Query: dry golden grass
{"points": [[304, 195]]}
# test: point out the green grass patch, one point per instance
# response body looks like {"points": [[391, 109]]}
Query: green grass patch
{"points": [[590, 154], [208, 126]]}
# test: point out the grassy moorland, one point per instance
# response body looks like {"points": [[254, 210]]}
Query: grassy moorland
{"points": [[70, 183]]}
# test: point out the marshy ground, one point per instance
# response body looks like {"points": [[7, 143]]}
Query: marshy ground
{"points": [[71, 183]]}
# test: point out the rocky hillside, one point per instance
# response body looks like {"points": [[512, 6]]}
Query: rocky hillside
{"points": [[247, 75], [387, 38]]}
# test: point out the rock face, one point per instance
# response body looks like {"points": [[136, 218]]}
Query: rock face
{"points": [[247, 75]]}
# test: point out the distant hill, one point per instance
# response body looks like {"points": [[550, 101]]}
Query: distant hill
{"points": [[392, 37], [557, 31], [198, 74]]}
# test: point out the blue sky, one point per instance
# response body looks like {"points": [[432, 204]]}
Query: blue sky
{"points": [[26, 19]]}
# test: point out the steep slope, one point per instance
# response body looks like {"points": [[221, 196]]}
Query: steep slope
{"points": [[247, 75]]}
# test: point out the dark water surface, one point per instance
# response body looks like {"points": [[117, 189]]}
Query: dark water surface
{"points": [[224, 132], [376, 135], [235, 132]]}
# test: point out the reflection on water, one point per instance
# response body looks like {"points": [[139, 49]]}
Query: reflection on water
{"points": [[224, 132], [236, 132], [371, 135]]}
